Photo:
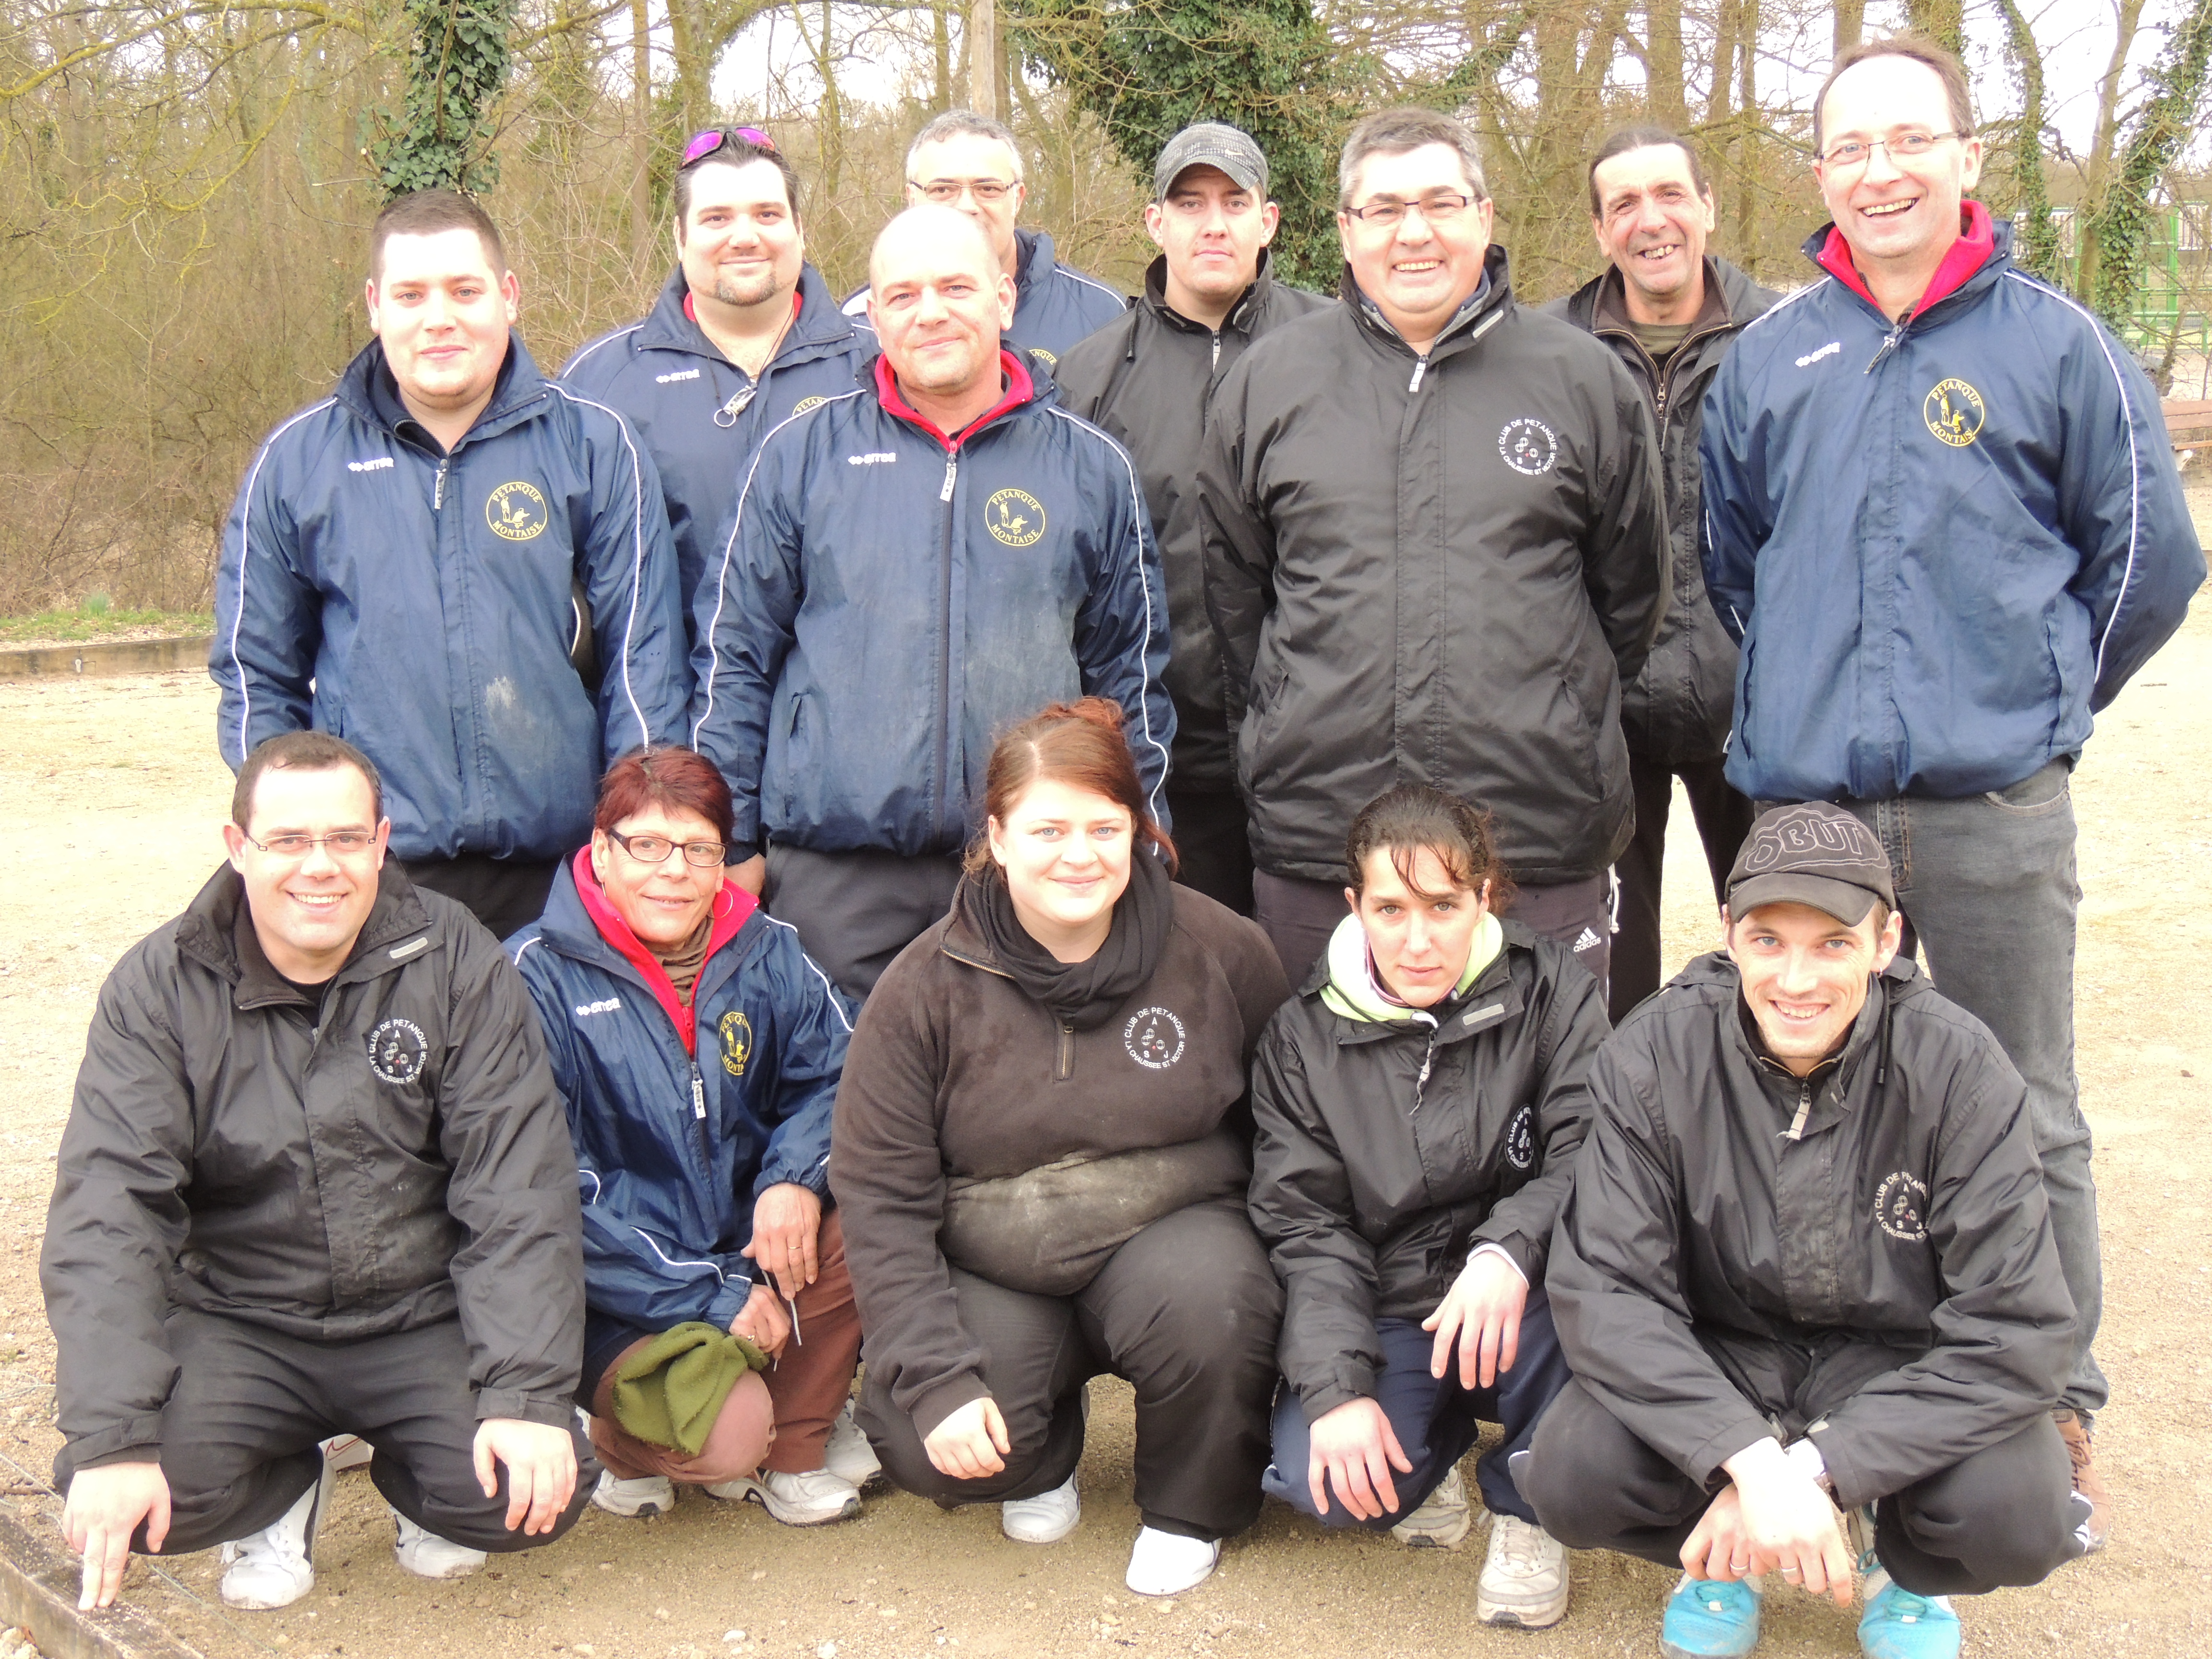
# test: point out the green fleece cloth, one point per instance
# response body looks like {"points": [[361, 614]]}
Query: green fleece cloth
{"points": [[1352, 990], [670, 1390]]}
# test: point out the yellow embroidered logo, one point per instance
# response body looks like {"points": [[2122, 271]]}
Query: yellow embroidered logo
{"points": [[804, 404], [1050, 360], [1954, 413], [1015, 517], [735, 1032], [515, 511]]}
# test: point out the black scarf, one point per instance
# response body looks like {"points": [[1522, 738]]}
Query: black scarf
{"points": [[1081, 995]]}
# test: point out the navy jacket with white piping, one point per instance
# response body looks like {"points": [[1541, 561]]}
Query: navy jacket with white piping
{"points": [[670, 1154], [1055, 305], [700, 414], [1943, 542], [419, 605], [887, 598]]}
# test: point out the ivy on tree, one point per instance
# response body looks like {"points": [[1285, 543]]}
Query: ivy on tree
{"points": [[456, 65]]}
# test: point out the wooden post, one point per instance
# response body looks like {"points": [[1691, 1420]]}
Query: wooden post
{"points": [[983, 57]]}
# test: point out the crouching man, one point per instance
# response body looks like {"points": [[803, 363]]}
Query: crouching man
{"points": [[1805, 1274], [316, 1180]]}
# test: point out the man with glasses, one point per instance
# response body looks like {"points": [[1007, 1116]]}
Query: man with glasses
{"points": [[1145, 377], [316, 1181], [1943, 519], [745, 333], [1434, 548], [418, 560], [969, 162]]}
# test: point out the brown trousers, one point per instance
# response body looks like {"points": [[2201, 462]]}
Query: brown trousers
{"points": [[780, 1417]]}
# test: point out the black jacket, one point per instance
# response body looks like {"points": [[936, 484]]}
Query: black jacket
{"points": [[402, 1158], [1146, 377], [1891, 1273], [1388, 1149], [1441, 568], [1680, 707]]}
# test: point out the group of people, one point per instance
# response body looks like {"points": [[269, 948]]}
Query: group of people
{"points": [[1039, 836]]}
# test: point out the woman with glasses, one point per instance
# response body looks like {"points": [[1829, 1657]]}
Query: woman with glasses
{"points": [[699, 1050]]}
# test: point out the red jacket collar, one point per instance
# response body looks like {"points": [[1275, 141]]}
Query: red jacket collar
{"points": [[1019, 390], [732, 905], [1977, 242]]}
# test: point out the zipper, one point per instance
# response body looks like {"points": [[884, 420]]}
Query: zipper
{"points": [[699, 1113], [1217, 348], [952, 472], [1420, 367], [438, 491], [1889, 342], [945, 656], [1428, 1061], [727, 416], [1064, 1067], [1796, 1131]]}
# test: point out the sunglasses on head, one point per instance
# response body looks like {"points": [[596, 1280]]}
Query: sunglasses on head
{"points": [[704, 144]]}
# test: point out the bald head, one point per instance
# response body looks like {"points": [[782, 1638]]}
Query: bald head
{"points": [[939, 302], [935, 235]]}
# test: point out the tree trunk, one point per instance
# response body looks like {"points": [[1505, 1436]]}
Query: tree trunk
{"points": [[1941, 21], [1851, 24], [940, 41], [2039, 245], [2103, 144], [1669, 97], [1746, 147], [641, 138], [983, 57]]}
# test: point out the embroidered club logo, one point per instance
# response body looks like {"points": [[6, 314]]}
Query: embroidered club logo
{"points": [[397, 1051], [735, 1032], [515, 511], [1154, 1038], [1014, 517], [1521, 1138], [1528, 446], [1954, 413], [1900, 1206], [1049, 359], [805, 404]]}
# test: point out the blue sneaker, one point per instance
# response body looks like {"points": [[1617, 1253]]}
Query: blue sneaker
{"points": [[1899, 1624], [1708, 1619]]}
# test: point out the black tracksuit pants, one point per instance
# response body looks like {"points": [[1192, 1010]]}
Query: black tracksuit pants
{"points": [[1188, 1310], [1723, 819], [240, 1434], [2005, 1514]]}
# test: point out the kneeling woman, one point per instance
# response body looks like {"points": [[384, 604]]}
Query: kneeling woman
{"points": [[699, 1051], [1041, 1153], [1418, 1104]]}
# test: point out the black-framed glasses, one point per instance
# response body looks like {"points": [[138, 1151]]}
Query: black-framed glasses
{"points": [[703, 144], [655, 849], [945, 192], [1438, 208], [1905, 147], [344, 844]]}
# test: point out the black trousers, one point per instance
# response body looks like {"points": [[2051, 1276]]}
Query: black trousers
{"points": [[1298, 916], [855, 911], [505, 894], [2005, 1514], [1213, 849], [240, 1434], [1723, 819], [1188, 1311]]}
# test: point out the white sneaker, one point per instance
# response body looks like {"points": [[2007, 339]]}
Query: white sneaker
{"points": [[647, 1494], [1525, 1577], [1045, 1519], [1167, 1563], [850, 1456], [426, 1555], [1443, 1520], [813, 1500], [276, 1566], [348, 1451]]}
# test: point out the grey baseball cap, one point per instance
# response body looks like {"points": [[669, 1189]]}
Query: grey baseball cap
{"points": [[1813, 854], [1213, 144]]}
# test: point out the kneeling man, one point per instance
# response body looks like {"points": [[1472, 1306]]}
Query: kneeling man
{"points": [[316, 1180], [1805, 1273]]}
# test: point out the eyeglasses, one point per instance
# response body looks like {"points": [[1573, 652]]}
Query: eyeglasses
{"points": [[945, 192], [1441, 208], [703, 144], [655, 849], [1906, 147], [346, 843]]}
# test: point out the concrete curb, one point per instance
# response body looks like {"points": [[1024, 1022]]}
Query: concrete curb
{"points": [[92, 657], [39, 1590]]}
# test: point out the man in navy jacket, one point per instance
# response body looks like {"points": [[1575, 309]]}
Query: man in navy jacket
{"points": [[1943, 517], [910, 566], [408, 562]]}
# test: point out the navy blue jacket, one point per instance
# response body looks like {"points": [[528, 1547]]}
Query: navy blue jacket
{"points": [[1942, 543], [419, 605], [1055, 305], [886, 598], [671, 1155], [700, 414]]}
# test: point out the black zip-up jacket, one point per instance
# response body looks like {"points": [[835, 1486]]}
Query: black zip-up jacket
{"points": [[1147, 377], [1680, 709], [1385, 1152], [1441, 568], [397, 1159], [1889, 1272]]}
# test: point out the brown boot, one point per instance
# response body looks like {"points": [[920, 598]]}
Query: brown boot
{"points": [[2086, 1480]]}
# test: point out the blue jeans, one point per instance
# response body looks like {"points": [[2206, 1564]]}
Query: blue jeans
{"points": [[1987, 885], [1435, 1421]]}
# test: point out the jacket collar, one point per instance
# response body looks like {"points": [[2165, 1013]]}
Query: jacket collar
{"points": [[1489, 302], [368, 389], [1241, 315], [208, 933], [1979, 250], [1033, 261], [819, 324], [1493, 999], [1021, 388], [732, 907]]}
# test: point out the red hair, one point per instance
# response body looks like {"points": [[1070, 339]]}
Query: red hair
{"points": [[674, 779], [1080, 744]]}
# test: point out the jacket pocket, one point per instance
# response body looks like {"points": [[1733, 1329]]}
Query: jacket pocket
{"points": [[2042, 791], [790, 740], [1263, 721]]}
